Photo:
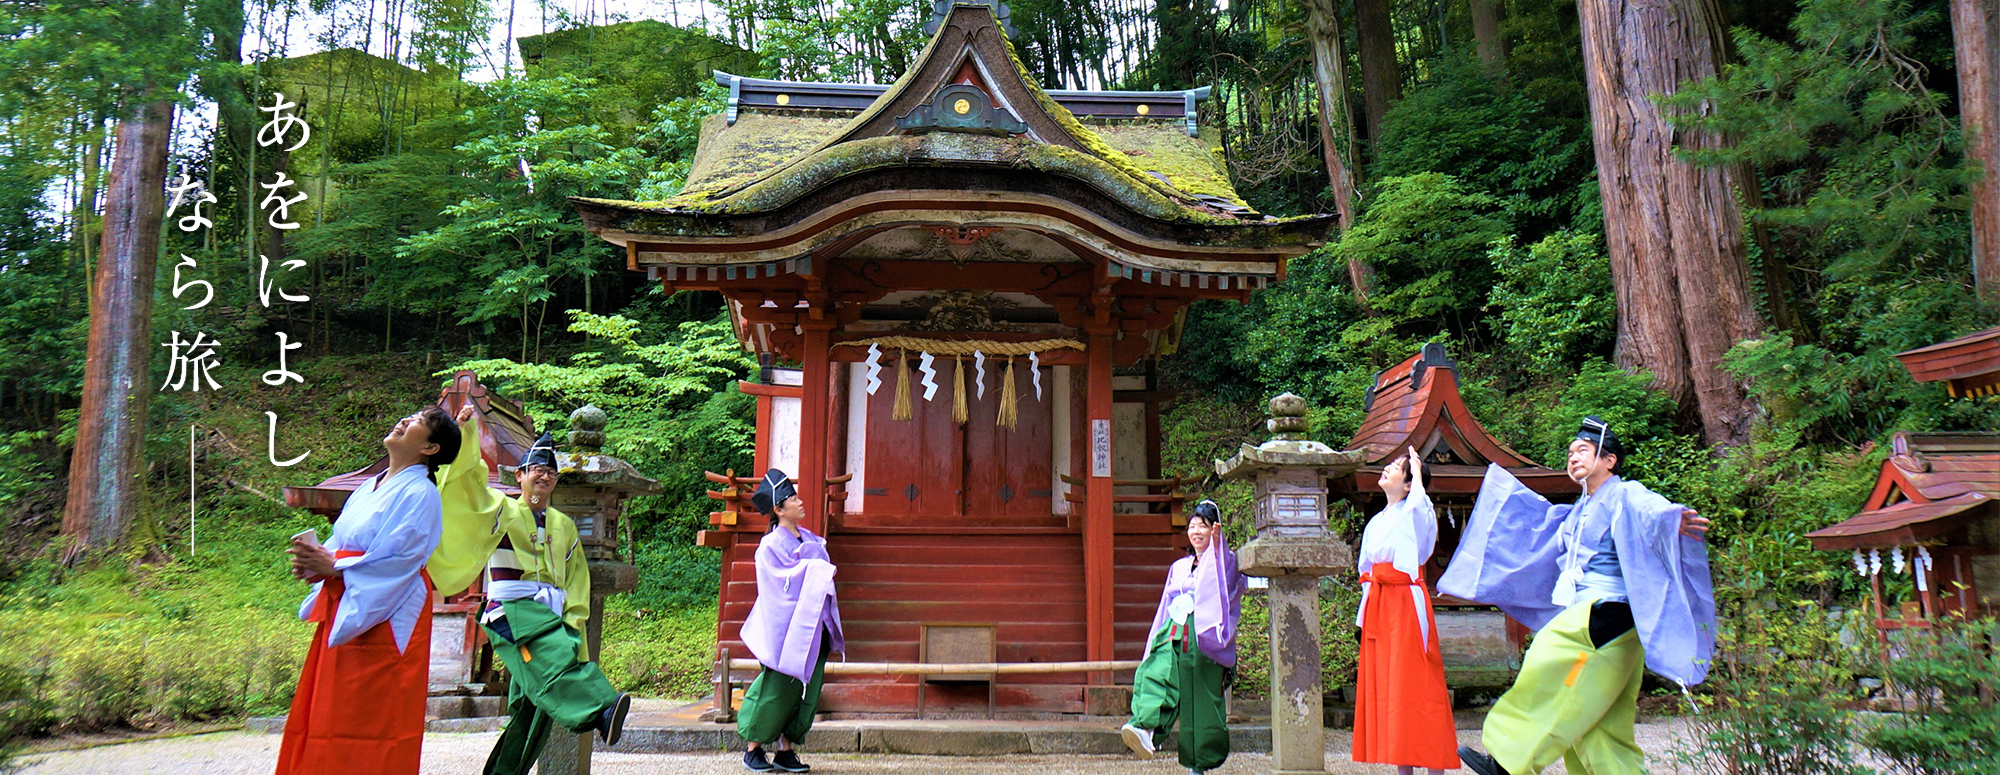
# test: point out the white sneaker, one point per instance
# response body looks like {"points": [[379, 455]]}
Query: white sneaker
{"points": [[1139, 740]]}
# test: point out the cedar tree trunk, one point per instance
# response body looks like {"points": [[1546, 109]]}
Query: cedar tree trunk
{"points": [[104, 468], [1381, 82], [1486, 31], [1674, 230], [1975, 26]]}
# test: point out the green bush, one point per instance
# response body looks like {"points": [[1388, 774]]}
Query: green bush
{"points": [[25, 707], [1778, 699], [1554, 300], [663, 653], [1951, 675]]}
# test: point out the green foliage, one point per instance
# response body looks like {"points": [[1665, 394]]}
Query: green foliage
{"points": [[517, 233], [1492, 138], [1554, 301], [1546, 419], [1950, 675], [24, 473], [1777, 699], [660, 653], [1427, 236], [632, 66]]}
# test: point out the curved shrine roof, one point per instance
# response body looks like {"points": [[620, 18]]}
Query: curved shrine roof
{"points": [[1932, 484], [1416, 403], [1133, 170]]}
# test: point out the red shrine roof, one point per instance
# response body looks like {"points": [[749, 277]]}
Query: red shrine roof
{"points": [[1931, 485], [505, 434], [1416, 404], [1970, 364]]}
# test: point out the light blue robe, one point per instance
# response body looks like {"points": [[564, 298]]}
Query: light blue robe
{"points": [[1510, 552], [396, 522]]}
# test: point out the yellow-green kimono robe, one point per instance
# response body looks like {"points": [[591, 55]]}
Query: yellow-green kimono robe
{"points": [[554, 683]]}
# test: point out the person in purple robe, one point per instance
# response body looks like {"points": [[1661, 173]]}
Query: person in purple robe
{"points": [[1613, 585], [1191, 653], [791, 629]]}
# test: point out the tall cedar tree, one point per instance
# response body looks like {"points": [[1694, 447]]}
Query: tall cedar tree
{"points": [[111, 427], [1381, 80], [1674, 229], [1975, 28]]}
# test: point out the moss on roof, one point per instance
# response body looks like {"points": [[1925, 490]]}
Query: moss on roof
{"points": [[1191, 164], [771, 158], [731, 156]]}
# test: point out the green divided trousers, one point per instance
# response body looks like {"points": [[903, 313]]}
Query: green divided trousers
{"points": [[548, 686], [1176, 680], [1572, 701], [777, 704]]}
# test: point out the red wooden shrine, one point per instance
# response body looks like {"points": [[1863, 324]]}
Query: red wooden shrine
{"points": [[1937, 492], [961, 210], [1416, 403]]}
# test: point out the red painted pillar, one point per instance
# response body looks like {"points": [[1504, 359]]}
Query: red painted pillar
{"points": [[1097, 532], [811, 475]]}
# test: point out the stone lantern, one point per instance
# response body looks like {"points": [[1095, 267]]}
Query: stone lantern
{"points": [[592, 489], [1293, 549]]}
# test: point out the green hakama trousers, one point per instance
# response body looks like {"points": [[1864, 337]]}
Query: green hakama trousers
{"points": [[1573, 700], [777, 704], [548, 686], [1176, 681]]}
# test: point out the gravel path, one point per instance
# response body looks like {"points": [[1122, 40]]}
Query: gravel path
{"points": [[240, 753]]}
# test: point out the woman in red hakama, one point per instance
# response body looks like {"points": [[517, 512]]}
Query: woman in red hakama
{"points": [[359, 709], [1402, 712]]}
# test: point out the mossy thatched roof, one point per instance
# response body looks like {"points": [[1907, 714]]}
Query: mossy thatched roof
{"points": [[769, 158]]}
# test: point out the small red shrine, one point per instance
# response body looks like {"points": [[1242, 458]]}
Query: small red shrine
{"points": [[1416, 403], [1932, 514], [972, 275]]}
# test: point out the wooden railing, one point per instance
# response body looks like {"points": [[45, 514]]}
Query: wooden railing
{"points": [[727, 672], [1162, 496]]}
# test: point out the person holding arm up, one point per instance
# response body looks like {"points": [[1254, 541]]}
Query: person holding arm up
{"points": [[1402, 712]]}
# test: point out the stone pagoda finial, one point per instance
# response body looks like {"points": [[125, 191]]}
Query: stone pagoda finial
{"points": [[1288, 417], [586, 429]]}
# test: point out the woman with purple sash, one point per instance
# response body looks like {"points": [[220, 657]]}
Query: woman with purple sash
{"points": [[1191, 655], [791, 629]]}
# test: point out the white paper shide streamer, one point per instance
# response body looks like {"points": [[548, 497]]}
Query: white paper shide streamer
{"points": [[1923, 566], [1896, 556], [1035, 368], [874, 373], [925, 365], [1874, 562], [1860, 563], [979, 373]]}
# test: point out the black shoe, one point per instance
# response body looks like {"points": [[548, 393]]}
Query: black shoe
{"points": [[789, 762], [611, 722], [1479, 762], [754, 759]]}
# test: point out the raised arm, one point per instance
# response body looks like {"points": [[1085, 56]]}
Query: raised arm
{"points": [[472, 513]]}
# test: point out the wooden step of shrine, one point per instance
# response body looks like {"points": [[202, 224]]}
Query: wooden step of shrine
{"points": [[1029, 586]]}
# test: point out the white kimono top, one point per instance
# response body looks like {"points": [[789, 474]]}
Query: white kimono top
{"points": [[395, 522], [1402, 535]]}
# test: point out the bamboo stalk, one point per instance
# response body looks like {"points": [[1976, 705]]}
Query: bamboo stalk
{"points": [[955, 668]]}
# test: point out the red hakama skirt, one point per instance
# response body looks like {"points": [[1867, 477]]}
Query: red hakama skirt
{"points": [[359, 709], [1402, 713]]}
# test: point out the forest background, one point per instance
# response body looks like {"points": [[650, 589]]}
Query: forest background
{"points": [[1825, 143]]}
